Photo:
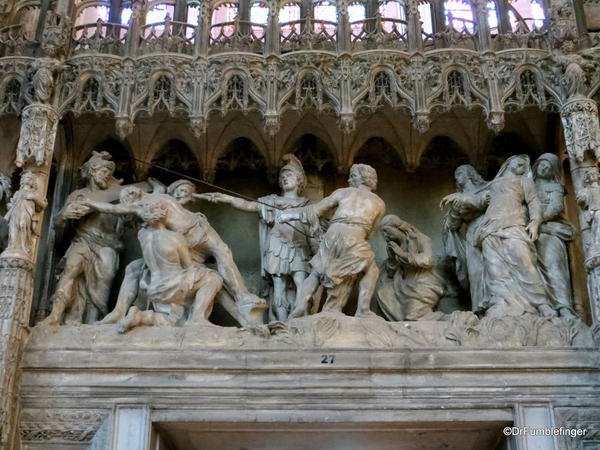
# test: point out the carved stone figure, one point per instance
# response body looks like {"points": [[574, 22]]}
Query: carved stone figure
{"points": [[202, 241], [460, 223], [588, 199], [507, 232], [555, 232], [43, 83], [285, 249], [92, 259], [38, 134], [23, 215], [409, 288], [344, 253], [5, 195], [172, 278]]}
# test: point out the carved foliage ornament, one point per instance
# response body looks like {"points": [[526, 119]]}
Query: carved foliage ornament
{"points": [[38, 133]]}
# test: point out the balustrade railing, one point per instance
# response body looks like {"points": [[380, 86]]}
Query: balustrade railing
{"points": [[379, 32], [308, 34], [168, 36], [14, 41], [239, 35], [100, 37]]}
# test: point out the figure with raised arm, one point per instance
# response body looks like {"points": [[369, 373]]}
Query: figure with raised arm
{"points": [[344, 252], [202, 241], [173, 280], [285, 249], [92, 259], [460, 225]]}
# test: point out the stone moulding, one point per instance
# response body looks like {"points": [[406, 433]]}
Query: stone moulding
{"points": [[327, 330]]}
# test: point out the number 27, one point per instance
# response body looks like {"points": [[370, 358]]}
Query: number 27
{"points": [[327, 359]]}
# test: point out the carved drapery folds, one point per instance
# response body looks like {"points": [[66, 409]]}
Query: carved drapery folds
{"points": [[37, 135], [582, 137], [34, 154]]}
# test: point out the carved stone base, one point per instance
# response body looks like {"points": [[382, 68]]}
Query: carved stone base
{"points": [[333, 330]]}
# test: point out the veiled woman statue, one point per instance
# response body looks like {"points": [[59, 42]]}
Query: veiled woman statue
{"points": [[408, 288], [555, 231], [460, 224], [506, 234]]}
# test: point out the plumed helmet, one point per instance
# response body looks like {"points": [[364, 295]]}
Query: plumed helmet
{"points": [[293, 164]]}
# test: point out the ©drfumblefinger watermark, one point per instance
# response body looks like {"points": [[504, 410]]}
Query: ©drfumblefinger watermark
{"points": [[530, 431]]}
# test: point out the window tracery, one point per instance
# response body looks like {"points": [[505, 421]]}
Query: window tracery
{"points": [[90, 95], [162, 94], [235, 94], [11, 99], [457, 89], [308, 92]]}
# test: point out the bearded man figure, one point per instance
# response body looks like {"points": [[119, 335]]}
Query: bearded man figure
{"points": [[92, 259], [344, 252]]}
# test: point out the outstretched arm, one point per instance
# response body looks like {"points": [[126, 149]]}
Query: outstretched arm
{"points": [[237, 203], [109, 208]]}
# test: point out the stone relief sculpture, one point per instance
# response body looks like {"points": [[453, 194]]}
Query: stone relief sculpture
{"points": [[409, 288], [172, 278], [344, 253], [460, 224], [23, 215], [5, 195], [554, 233], [507, 232], [285, 248], [201, 239], [588, 199], [92, 259]]}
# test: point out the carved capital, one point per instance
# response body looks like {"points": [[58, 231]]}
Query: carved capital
{"points": [[198, 125], [421, 121], [582, 131], [124, 127], [272, 124], [38, 133], [495, 121], [347, 122]]}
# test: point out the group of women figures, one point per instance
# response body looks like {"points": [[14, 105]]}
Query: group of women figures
{"points": [[508, 238]]}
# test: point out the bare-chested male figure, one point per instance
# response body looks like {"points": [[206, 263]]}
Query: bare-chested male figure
{"points": [[344, 252], [173, 279], [202, 240]]}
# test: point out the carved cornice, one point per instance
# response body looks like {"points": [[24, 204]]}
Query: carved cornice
{"points": [[422, 84]]}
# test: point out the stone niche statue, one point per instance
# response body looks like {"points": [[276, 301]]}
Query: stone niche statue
{"points": [[555, 232], [176, 287], [285, 248], [409, 288], [5, 195], [92, 259], [588, 199], [344, 253], [23, 216], [513, 283], [201, 240], [463, 214]]}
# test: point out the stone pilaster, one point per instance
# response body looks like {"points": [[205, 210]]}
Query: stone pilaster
{"points": [[582, 136], [34, 154]]}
